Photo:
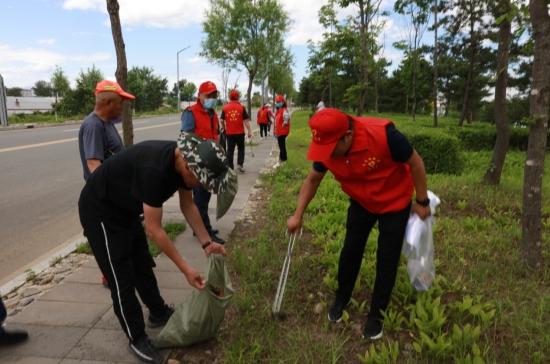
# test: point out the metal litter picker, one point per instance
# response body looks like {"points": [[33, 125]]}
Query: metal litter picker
{"points": [[276, 309]]}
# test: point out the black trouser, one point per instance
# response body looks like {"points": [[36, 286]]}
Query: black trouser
{"points": [[120, 249], [282, 147], [263, 130], [269, 126], [238, 140], [3, 313], [358, 227], [201, 197]]}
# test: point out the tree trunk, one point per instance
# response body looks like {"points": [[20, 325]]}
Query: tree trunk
{"points": [[251, 75], [435, 63], [539, 109], [414, 88], [364, 58], [121, 70], [467, 86], [492, 176], [376, 81]]}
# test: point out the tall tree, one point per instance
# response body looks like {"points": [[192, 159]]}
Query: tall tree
{"points": [[418, 12], [121, 70], [368, 10], [503, 14], [81, 100], [42, 88], [60, 83], [534, 164], [148, 88], [242, 33]]}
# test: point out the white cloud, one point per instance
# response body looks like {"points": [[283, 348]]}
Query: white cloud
{"points": [[46, 41], [156, 14], [24, 66]]}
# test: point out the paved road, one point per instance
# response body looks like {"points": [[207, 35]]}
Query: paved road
{"points": [[40, 181]]}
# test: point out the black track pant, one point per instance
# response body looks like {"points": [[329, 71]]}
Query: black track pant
{"points": [[392, 231], [263, 130], [232, 141], [120, 249], [281, 140]]}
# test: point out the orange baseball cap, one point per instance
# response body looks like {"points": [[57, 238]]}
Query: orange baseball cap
{"points": [[110, 86], [327, 127]]}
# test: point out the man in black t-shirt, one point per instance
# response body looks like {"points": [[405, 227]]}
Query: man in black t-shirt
{"points": [[139, 180]]}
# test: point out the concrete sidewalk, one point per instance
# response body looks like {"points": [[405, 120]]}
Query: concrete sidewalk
{"points": [[74, 321]]}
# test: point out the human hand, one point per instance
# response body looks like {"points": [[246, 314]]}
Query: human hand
{"points": [[422, 211], [215, 248], [294, 223], [194, 278]]}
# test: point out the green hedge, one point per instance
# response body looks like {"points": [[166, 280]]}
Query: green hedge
{"points": [[484, 138], [440, 151]]}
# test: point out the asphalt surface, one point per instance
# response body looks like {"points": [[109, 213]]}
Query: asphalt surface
{"points": [[40, 181]]}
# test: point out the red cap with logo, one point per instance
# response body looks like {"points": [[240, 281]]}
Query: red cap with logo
{"points": [[327, 127], [207, 88], [234, 95], [279, 98], [111, 86]]}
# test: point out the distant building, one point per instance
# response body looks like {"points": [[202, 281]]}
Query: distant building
{"points": [[28, 105], [27, 93]]}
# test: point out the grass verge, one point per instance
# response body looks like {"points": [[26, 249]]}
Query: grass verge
{"points": [[484, 305]]}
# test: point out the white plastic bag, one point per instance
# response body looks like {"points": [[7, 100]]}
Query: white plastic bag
{"points": [[418, 247]]}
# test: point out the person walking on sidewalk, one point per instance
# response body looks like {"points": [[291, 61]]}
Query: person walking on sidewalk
{"points": [[378, 169], [282, 126], [234, 119], [98, 138], [202, 120], [9, 337], [139, 180], [264, 117]]}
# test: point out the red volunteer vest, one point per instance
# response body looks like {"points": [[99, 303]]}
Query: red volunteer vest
{"points": [[233, 112], [205, 126], [280, 128], [262, 116], [368, 174]]}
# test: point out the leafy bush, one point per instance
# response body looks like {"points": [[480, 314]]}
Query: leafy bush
{"points": [[441, 152]]}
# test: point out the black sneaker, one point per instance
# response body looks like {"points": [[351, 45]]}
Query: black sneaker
{"points": [[144, 350], [373, 329], [217, 239], [158, 321], [12, 337], [336, 310]]}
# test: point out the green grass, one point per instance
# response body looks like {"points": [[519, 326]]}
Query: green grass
{"points": [[172, 229], [483, 307]]}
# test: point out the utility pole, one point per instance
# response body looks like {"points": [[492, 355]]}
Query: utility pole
{"points": [[178, 74]]}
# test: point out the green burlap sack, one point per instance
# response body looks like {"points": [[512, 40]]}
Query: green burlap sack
{"points": [[199, 317]]}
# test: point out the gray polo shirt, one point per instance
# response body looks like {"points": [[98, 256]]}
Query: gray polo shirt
{"points": [[97, 140]]}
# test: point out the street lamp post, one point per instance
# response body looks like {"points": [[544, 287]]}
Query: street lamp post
{"points": [[178, 75]]}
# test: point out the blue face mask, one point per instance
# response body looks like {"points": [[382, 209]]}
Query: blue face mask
{"points": [[210, 103], [279, 104]]}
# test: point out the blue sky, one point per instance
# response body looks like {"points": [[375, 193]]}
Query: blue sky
{"points": [[37, 35]]}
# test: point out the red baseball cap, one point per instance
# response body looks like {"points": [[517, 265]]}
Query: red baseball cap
{"points": [[234, 95], [207, 88], [110, 86], [327, 127], [279, 98]]}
